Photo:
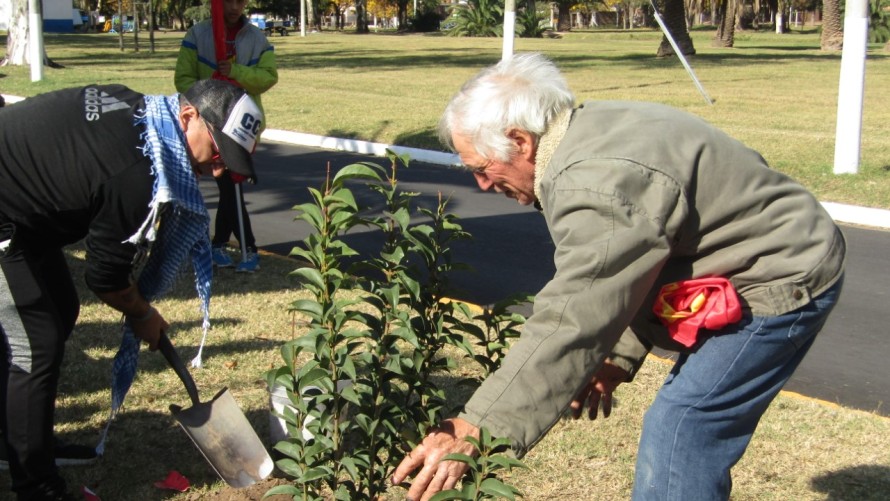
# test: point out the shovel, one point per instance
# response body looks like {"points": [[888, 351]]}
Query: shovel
{"points": [[219, 429]]}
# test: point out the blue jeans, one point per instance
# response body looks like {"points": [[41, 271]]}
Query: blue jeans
{"points": [[703, 416]]}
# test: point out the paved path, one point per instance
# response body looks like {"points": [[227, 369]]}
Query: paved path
{"points": [[512, 252]]}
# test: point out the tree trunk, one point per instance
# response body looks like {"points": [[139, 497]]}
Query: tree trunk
{"points": [[402, 14], [563, 17], [725, 36], [18, 35], [832, 28], [675, 21], [693, 12], [18, 38], [361, 18]]}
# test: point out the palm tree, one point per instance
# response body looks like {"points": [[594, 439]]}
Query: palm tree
{"points": [[675, 20], [832, 26], [726, 13], [478, 18]]}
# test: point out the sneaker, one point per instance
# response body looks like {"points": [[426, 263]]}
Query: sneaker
{"points": [[50, 490], [250, 264], [66, 455], [74, 454], [221, 258]]}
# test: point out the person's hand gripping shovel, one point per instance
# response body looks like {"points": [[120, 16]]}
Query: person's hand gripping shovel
{"points": [[219, 429]]}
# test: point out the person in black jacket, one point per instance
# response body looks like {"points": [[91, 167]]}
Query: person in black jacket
{"points": [[100, 164]]}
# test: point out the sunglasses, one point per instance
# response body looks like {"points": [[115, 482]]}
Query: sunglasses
{"points": [[216, 158]]}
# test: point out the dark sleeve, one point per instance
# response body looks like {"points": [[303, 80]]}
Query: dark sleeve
{"points": [[120, 207]]}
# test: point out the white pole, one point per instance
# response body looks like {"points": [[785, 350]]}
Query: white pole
{"points": [[848, 135], [667, 34], [303, 18], [509, 29], [241, 238], [35, 40]]}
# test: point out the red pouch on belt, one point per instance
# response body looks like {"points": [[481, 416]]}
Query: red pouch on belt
{"points": [[687, 306]]}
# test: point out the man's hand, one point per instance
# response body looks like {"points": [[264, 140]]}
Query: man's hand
{"points": [[149, 327], [599, 388], [436, 475], [146, 322], [224, 67]]}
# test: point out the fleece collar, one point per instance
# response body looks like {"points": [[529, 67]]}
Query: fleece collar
{"points": [[547, 145]]}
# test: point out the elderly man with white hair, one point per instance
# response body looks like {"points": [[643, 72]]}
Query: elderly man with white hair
{"points": [[668, 234]]}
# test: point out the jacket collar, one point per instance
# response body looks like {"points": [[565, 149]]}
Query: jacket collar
{"points": [[547, 144]]}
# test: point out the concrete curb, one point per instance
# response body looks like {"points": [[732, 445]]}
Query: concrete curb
{"points": [[865, 216]]}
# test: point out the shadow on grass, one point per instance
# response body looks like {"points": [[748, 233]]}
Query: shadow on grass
{"points": [[866, 482]]}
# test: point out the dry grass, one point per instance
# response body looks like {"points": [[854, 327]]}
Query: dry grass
{"points": [[803, 450]]}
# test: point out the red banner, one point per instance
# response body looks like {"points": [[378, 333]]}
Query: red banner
{"points": [[218, 23]]}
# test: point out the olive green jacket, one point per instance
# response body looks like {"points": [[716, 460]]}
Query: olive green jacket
{"points": [[638, 195]]}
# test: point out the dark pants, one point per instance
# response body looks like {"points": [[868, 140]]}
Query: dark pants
{"points": [[38, 309], [227, 216]]}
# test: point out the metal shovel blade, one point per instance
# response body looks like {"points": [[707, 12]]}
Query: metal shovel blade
{"points": [[225, 438], [219, 429]]}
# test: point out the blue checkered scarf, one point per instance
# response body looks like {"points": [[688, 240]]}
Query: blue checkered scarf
{"points": [[178, 226]]}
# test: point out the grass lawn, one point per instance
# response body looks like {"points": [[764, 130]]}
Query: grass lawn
{"points": [[776, 93], [803, 450]]}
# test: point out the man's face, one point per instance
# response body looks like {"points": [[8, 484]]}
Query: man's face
{"points": [[515, 179], [203, 152], [233, 10]]}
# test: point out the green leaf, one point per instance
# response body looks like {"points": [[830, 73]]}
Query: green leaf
{"points": [[290, 467], [307, 306], [315, 474], [312, 377], [496, 488], [361, 170], [309, 276], [287, 490], [463, 458], [350, 395], [451, 494], [289, 449], [506, 463], [311, 214]]}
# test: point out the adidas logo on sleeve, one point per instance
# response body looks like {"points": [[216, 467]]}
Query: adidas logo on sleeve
{"points": [[96, 102]]}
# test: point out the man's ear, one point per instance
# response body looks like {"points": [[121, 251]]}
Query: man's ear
{"points": [[187, 113], [524, 142]]}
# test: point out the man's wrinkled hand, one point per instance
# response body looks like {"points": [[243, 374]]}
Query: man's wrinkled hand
{"points": [[436, 475], [599, 391]]}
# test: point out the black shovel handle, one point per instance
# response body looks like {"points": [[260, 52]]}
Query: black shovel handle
{"points": [[173, 359]]}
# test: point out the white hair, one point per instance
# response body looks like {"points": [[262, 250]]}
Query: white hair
{"points": [[524, 92]]}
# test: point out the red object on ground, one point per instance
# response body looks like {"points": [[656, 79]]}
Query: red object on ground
{"points": [[687, 306], [174, 482], [89, 495]]}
